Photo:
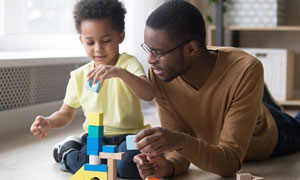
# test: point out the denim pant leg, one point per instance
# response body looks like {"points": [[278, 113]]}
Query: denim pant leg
{"points": [[288, 132], [126, 168], [74, 160]]}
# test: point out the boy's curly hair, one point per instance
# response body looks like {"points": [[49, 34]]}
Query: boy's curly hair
{"points": [[98, 9]]}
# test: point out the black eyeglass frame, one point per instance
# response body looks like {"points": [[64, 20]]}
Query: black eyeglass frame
{"points": [[158, 56]]}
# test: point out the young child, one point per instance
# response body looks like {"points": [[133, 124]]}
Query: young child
{"points": [[100, 24]]}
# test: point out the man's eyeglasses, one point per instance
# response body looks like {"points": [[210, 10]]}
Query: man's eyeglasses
{"points": [[158, 55]]}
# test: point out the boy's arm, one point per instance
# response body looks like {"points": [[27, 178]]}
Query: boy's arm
{"points": [[139, 85], [62, 117], [41, 125]]}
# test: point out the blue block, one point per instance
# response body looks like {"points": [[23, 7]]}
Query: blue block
{"points": [[129, 142], [99, 167], [95, 131], [110, 149], [94, 143], [94, 152], [96, 88]]}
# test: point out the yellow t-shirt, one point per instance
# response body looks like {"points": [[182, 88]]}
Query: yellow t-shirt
{"points": [[121, 109]]}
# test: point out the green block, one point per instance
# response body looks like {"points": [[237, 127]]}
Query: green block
{"points": [[96, 131]]}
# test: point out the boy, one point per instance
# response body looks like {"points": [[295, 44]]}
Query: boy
{"points": [[100, 24]]}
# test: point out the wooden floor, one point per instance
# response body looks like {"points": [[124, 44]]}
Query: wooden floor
{"points": [[23, 156]]}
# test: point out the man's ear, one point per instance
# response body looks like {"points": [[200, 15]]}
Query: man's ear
{"points": [[193, 47], [121, 37]]}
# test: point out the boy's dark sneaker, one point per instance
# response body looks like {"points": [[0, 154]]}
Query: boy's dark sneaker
{"points": [[70, 143]]}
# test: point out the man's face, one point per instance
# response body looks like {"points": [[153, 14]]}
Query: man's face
{"points": [[170, 65]]}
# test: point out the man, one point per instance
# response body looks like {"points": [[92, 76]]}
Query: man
{"points": [[209, 102]]}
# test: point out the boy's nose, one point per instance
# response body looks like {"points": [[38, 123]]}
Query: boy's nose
{"points": [[98, 47]]}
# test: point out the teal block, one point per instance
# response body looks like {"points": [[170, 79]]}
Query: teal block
{"points": [[110, 149], [96, 131], [129, 142], [96, 88], [99, 167]]}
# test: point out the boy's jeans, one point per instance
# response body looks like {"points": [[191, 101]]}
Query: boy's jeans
{"points": [[126, 168]]}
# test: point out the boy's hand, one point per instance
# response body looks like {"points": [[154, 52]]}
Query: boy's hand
{"points": [[40, 127], [102, 72], [158, 166]]}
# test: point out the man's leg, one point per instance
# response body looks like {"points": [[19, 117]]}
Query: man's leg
{"points": [[127, 168], [288, 132]]}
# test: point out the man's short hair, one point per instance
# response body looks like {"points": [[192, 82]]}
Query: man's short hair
{"points": [[180, 19], [98, 9]]}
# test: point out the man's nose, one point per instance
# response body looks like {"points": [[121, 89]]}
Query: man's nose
{"points": [[152, 59]]}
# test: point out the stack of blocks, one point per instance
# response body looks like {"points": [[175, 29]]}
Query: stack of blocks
{"points": [[95, 150]]}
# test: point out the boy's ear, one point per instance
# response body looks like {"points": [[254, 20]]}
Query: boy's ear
{"points": [[121, 37]]}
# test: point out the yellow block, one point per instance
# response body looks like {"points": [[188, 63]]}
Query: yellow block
{"points": [[78, 175], [96, 119], [90, 175]]}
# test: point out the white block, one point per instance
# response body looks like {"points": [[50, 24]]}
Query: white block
{"points": [[94, 160]]}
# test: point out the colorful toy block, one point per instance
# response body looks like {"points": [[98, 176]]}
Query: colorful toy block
{"points": [[99, 167], [94, 145], [95, 119], [110, 149], [117, 156], [96, 88], [247, 176], [88, 175], [95, 131], [94, 169], [94, 159], [78, 175], [129, 142]]}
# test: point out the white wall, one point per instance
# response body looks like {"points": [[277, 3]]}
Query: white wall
{"points": [[137, 14]]}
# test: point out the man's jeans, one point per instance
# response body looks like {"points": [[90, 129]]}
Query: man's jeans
{"points": [[126, 168], [288, 132]]}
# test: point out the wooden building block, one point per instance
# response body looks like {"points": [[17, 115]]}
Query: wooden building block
{"points": [[96, 131], [243, 176], [117, 156], [130, 145], [110, 149], [95, 119], [88, 175], [257, 178], [93, 87], [112, 169]]}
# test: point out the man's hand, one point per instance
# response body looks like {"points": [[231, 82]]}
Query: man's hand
{"points": [[40, 127], [158, 166], [155, 141]]}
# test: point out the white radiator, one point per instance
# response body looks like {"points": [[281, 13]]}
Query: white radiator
{"points": [[31, 87], [278, 71]]}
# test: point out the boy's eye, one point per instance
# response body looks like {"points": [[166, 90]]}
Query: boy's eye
{"points": [[89, 43], [106, 41]]}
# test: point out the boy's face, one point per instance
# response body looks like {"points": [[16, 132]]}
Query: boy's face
{"points": [[101, 41]]}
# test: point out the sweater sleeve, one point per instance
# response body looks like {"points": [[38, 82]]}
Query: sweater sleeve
{"points": [[226, 157]]}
